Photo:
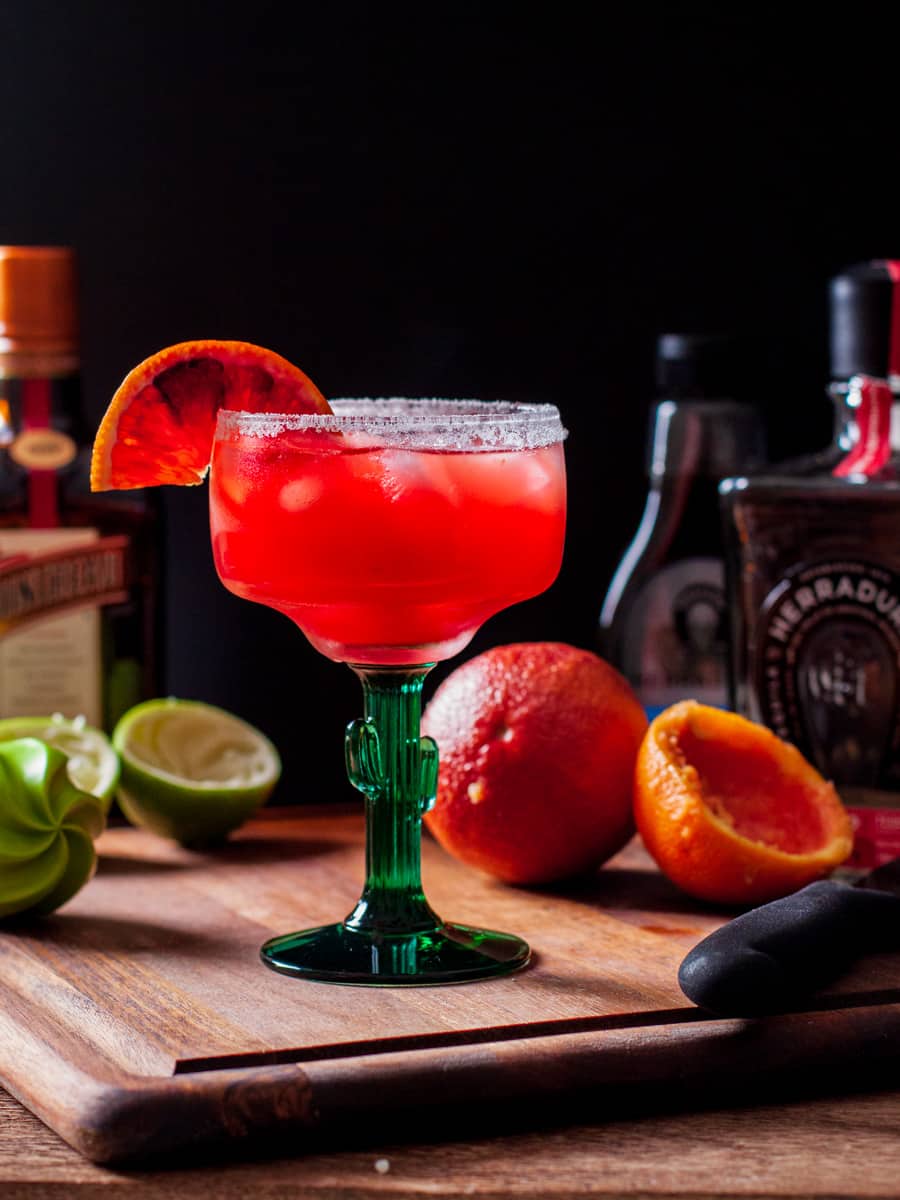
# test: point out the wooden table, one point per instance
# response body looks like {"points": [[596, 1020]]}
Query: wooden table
{"points": [[823, 1141], [848, 1146]]}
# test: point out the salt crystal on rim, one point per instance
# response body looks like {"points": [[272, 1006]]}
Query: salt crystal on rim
{"points": [[429, 424]]}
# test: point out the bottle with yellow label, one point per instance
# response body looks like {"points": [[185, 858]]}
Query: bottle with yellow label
{"points": [[78, 570]]}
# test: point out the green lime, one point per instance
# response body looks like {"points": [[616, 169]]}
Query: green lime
{"points": [[47, 828], [190, 771], [93, 765]]}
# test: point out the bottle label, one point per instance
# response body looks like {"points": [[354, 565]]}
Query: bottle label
{"points": [[876, 836], [42, 449], [828, 670], [52, 584], [675, 636]]}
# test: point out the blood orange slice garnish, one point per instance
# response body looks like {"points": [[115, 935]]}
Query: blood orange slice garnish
{"points": [[160, 425]]}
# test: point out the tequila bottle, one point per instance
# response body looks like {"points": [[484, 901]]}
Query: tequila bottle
{"points": [[814, 573]]}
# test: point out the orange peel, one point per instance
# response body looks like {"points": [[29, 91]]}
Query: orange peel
{"points": [[730, 812]]}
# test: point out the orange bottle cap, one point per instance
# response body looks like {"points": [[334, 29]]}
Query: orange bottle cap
{"points": [[38, 300]]}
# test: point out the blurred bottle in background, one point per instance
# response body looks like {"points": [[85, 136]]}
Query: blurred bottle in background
{"points": [[78, 571], [664, 618], [814, 573]]}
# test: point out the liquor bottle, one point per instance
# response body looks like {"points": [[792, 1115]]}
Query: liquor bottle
{"points": [[814, 573], [77, 570], [663, 621]]}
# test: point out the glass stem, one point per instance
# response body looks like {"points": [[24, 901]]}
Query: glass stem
{"points": [[396, 770]]}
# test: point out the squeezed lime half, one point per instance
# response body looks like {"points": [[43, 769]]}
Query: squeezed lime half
{"points": [[191, 771], [93, 765]]}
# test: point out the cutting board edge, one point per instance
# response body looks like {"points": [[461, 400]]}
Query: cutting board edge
{"points": [[126, 1119]]}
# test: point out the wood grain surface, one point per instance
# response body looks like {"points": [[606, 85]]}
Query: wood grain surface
{"points": [[139, 1021], [824, 1148]]}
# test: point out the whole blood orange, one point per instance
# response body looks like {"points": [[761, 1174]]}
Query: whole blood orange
{"points": [[160, 424], [730, 812], [537, 749]]}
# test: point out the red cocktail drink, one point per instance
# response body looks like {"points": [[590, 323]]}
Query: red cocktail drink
{"points": [[383, 548]]}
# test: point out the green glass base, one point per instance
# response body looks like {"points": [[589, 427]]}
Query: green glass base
{"points": [[444, 954]]}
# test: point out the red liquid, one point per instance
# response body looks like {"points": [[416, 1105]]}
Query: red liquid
{"points": [[384, 555]]}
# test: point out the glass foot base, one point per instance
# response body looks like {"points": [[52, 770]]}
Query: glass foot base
{"points": [[444, 954]]}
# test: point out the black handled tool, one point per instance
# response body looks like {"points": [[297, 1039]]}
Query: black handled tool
{"points": [[769, 959]]}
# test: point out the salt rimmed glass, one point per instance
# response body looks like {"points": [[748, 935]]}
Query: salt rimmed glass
{"points": [[389, 531]]}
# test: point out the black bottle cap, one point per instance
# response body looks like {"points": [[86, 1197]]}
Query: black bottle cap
{"points": [[701, 366], [861, 300]]}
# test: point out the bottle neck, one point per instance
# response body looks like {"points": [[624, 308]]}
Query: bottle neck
{"points": [[43, 432], [706, 438], [845, 397], [38, 391]]}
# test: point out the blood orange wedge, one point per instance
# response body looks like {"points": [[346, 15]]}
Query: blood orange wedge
{"points": [[160, 424], [730, 812]]}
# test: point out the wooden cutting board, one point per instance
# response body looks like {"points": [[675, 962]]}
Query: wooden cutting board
{"points": [[139, 1020]]}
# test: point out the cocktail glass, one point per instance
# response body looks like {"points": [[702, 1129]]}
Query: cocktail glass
{"points": [[389, 532]]}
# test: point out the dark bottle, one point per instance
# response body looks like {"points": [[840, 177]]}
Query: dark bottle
{"points": [[78, 571], [663, 622], [814, 573]]}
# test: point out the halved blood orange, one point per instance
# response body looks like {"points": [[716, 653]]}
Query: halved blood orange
{"points": [[160, 424], [730, 812]]}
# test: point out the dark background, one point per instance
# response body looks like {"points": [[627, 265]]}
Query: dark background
{"points": [[446, 199]]}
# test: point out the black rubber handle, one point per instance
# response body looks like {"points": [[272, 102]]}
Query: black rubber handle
{"points": [[766, 960]]}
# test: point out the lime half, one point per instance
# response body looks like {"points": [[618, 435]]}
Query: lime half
{"points": [[190, 771], [93, 764]]}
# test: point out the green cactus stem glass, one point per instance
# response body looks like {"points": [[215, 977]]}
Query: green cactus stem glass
{"points": [[389, 531], [393, 936]]}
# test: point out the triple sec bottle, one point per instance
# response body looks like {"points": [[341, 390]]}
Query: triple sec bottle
{"points": [[77, 570]]}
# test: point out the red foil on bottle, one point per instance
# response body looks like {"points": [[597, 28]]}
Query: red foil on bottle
{"points": [[874, 400], [43, 508]]}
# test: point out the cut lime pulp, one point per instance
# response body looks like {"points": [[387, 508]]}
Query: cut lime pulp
{"points": [[190, 771], [93, 765]]}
